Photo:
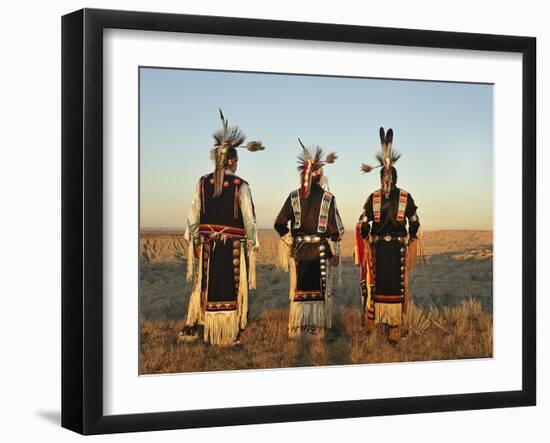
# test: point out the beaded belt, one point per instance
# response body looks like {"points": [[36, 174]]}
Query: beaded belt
{"points": [[308, 239], [387, 237], [221, 231]]}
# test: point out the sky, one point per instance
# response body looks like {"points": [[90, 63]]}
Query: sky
{"points": [[444, 132]]}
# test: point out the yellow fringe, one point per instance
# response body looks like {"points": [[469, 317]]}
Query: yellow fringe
{"points": [[328, 312], [190, 260], [252, 269], [311, 313], [293, 278], [284, 252], [221, 328], [390, 313], [194, 310], [242, 297], [194, 313]]}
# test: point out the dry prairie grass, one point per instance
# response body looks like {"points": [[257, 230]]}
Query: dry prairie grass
{"points": [[461, 266], [461, 332], [451, 317]]}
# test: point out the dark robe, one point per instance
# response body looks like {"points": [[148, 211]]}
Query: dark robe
{"points": [[389, 257], [311, 258], [222, 236]]}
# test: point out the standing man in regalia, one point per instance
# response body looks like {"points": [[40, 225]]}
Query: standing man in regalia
{"points": [[222, 235], [306, 251], [385, 250]]}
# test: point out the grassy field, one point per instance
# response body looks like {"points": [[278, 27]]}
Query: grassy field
{"points": [[452, 318], [464, 331]]}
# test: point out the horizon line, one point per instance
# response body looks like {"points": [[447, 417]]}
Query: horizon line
{"points": [[272, 229]]}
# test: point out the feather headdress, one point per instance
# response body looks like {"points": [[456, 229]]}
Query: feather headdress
{"points": [[388, 156], [386, 159], [310, 161], [227, 140]]}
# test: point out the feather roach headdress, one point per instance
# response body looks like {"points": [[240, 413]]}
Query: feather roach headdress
{"points": [[386, 158], [227, 140], [310, 162]]}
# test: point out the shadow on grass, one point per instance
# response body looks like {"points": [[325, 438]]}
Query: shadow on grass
{"points": [[330, 349], [337, 346]]}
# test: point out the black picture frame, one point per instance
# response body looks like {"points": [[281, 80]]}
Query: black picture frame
{"points": [[82, 219]]}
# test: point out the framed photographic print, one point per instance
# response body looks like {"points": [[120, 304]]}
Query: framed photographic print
{"points": [[269, 221]]}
